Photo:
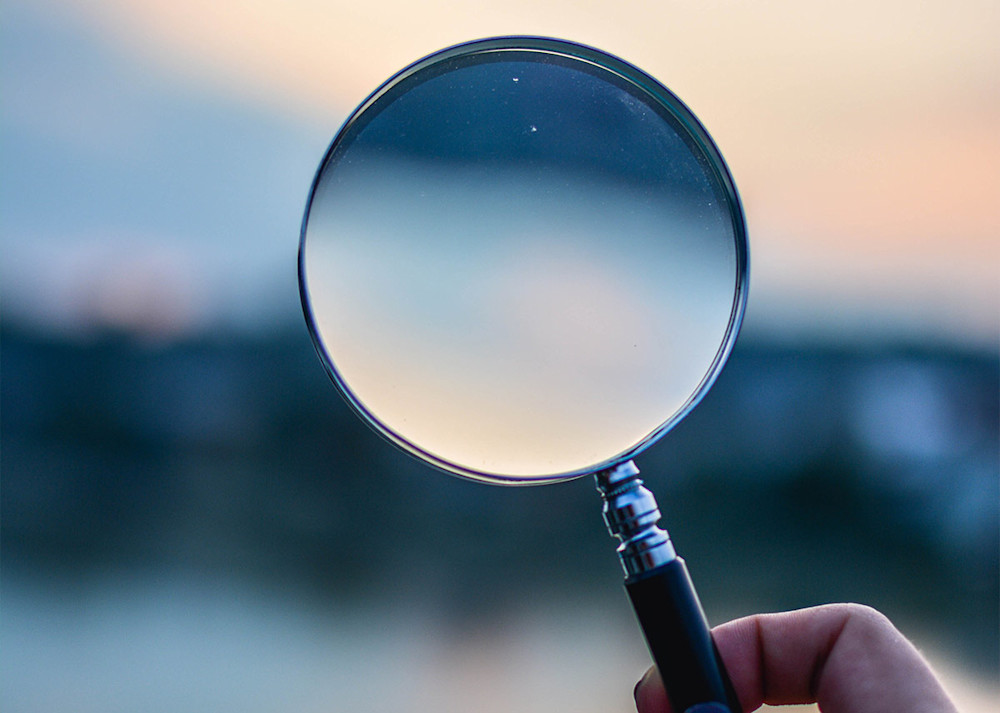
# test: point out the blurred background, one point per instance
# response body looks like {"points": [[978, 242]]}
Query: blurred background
{"points": [[192, 519]]}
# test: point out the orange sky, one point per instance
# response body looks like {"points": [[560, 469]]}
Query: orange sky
{"points": [[863, 136]]}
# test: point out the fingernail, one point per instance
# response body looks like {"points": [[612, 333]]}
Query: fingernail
{"points": [[638, 685]]}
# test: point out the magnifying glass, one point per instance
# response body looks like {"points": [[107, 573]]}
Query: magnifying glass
{"points": [[523, 261]]}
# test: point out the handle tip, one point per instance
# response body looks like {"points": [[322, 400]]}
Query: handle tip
{"points": [[708, 708]]}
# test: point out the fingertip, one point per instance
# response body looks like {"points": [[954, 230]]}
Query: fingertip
{"points": [[638, 685], [649, 694]]}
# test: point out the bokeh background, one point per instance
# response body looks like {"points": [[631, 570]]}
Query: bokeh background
{"points": [[193, 520]]}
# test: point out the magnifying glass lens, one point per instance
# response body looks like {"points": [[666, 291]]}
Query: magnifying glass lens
{"points": [[522, 264]]}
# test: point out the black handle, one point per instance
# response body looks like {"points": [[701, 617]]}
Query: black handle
{"points": [[679, 640]]}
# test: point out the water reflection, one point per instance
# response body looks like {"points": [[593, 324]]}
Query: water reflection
{"points": [[179, 643], [181, 529]]}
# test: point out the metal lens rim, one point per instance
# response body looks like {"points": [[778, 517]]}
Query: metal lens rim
{"points": [[665, 99]]}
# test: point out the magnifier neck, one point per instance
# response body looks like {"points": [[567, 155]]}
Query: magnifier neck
{"points": [[631, 513]]}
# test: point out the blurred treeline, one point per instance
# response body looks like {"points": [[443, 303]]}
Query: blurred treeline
{"points": [[810, 473]]}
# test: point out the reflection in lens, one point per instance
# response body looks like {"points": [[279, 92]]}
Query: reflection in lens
{"points": [[519, 264]]}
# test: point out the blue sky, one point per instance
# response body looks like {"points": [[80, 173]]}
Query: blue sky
{"points": [[112, 165]]}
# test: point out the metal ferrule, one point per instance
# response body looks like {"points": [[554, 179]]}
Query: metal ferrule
{"points": [[631, 514]]}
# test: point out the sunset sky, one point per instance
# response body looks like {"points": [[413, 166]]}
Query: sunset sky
{"points": [[155, 161], [863, 138]]}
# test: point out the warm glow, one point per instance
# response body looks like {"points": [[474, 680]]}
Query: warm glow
{"points": [[862, 135]]}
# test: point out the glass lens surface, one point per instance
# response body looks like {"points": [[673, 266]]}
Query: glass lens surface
{"points": [[521, 265]]}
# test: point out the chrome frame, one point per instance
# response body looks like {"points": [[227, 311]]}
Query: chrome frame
{"points": [[666, 99]]}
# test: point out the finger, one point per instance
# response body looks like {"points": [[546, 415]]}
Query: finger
{"points": [[847, 657], [649, 694]]}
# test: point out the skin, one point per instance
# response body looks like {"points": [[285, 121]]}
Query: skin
{"points": [[847, 658]]}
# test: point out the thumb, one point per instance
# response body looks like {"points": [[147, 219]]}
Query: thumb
{"points": [[847, 657]]}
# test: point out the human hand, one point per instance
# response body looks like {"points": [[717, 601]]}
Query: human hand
{"points": [[846, 657]]}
